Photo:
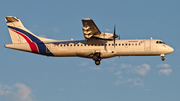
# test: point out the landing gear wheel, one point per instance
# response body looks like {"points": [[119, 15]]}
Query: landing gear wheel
{"points": [[162, 58], [97, 62]]}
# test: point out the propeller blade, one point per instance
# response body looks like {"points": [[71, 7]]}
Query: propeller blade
{"points": [[114, 30], [114, 36]]}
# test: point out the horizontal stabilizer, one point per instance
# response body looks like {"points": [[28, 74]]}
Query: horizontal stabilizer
{"points": [[11, 19]]}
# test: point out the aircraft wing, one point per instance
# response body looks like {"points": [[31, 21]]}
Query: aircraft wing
{"points": [[90, 29]]}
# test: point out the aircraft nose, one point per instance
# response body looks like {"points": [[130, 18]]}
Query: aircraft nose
{"points": [[171, 49]]}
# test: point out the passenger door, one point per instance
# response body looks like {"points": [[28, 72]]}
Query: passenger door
{"points": [[147, 45]]}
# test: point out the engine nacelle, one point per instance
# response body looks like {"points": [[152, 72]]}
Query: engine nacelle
{"points": [[105, 36]]}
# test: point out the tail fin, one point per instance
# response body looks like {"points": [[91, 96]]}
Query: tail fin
{"points": [[19, 34]]}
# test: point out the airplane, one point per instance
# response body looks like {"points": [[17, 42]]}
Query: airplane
{"points": [[97, 45]]}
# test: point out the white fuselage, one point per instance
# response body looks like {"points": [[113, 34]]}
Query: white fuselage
{"points": [[86, 49], [107, 49]]}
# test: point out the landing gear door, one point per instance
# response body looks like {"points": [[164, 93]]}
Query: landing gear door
{"points": [[147, 45]]}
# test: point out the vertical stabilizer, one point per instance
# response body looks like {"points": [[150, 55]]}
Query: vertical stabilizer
{"points": [[19, 34], [24, 40]]}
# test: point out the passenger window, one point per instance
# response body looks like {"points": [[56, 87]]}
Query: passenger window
{"points": [[122, 44], [119, 44]]}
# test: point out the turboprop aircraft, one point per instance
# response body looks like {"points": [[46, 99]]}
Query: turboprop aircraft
{"points": [[97, 45]]}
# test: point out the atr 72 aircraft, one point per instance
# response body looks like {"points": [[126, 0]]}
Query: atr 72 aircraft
{"points": [[96, 46]]}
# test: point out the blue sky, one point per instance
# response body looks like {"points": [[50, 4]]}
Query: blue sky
{"points": [[30, 77]]}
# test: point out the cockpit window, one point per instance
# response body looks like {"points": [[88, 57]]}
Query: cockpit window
{"points": [[160, 42]]}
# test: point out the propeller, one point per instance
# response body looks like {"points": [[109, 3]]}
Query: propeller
{"points": [[114, 35]]}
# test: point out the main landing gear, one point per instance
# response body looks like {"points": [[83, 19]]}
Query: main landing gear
{"points": [[96, 58], [162, 57]]}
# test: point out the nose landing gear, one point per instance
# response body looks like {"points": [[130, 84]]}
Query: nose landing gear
{"points": [[162, 57]]}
